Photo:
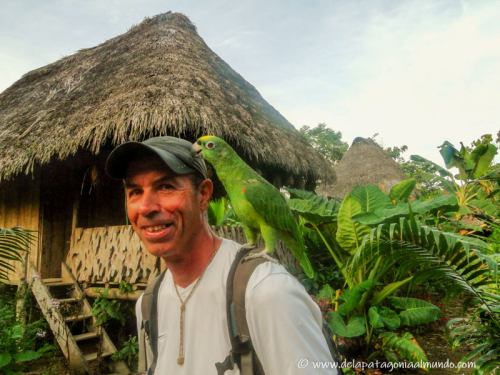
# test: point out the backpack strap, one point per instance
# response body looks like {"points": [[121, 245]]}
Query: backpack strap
{"points": [[242, 352], [148, 337]]}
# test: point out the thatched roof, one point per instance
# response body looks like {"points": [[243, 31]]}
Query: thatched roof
{"points": [[365, 163], [158, 78]]}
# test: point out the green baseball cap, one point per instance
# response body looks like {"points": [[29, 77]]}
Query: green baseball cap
{"points": [[175, 152]]}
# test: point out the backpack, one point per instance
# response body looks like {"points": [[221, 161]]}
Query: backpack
{"points": [[242, 352]]}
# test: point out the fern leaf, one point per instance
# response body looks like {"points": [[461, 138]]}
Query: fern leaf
{"points": [[406, 346]]}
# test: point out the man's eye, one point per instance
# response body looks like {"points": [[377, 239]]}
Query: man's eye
{"points": [[134, 192], [166, 187]]}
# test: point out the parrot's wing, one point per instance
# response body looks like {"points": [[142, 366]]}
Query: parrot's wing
{"points": [[268, 202]]}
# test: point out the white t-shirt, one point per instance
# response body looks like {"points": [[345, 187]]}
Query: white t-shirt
{"points": [[284, 322]]}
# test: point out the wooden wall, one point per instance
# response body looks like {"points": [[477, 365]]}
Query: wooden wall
{"points": [[113, 254], [20, 206], [109, 254]]}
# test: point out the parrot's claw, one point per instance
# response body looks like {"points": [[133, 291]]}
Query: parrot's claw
{"points": [[263, 254], [250, 246]]}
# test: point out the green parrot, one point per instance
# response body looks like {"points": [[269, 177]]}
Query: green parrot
{"points": [[258, 204]]}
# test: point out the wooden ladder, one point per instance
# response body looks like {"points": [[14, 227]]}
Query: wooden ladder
{"points": [[69, 315]]}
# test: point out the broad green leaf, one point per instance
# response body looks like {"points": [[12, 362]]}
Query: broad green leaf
{"points": [[488, 206], [27, 355], [416, 311], [444, 203], [5, 359], [350, 233], [482, 156], [459, 159], [402, 191], [355, 327], [353, 296], [384, 318], [448, 152], [327, 292], [316, 211], [301, 194], [464, 210], [370, 197], [375, 318]]}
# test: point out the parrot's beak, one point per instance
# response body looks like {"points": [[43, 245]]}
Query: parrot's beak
{"points": [[196, 150]]}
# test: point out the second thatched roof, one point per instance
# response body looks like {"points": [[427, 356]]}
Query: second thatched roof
{"points": [[158, 78], [365, 163]]}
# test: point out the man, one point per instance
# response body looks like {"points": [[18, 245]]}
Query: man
{"points": [[168, 194]]}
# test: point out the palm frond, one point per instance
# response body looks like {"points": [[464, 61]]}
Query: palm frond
{"points": [[430, 254], [13, 243]]}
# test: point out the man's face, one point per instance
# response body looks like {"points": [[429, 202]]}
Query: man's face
{"points": [[164, 208]]}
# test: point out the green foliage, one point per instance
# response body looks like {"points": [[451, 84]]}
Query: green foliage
{"points": [[471, 164], [129, 353], [442, 203], [13, 242], [220, 213], [324, 276], [383, 317], [379, 260], [402, 191], [216, 211], [314, 208], [327, 141], [20, 341], [476, 179], [370, 197], [350, 233], [125, 287], [418, 170], [356, 325], [416, 311], [483, 332], [406, 346], [487, 139], [353, 296], [327, 292], [446, 257], [104, 309]]}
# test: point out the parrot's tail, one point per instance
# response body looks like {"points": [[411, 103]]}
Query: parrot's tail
{"points": [[300, 253]]}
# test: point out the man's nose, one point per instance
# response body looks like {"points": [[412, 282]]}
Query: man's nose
{"points": [[149, 203]]}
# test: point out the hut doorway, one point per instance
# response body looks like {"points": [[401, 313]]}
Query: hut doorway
{"points": [[57, 197]]}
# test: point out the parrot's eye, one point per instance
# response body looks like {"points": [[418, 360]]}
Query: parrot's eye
{"points": [[210, 145]]}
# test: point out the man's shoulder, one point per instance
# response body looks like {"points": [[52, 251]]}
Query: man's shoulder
{"points": [[270, 280], [229, 245]]}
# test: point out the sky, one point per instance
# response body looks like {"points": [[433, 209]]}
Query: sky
{"points": [[417, 72]]}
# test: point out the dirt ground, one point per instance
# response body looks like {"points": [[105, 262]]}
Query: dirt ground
{"points": [[432, 340]]}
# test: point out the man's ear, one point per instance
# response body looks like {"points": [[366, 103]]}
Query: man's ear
{"points": [[205, 190]]}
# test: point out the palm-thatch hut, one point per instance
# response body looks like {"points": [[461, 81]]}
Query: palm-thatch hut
{"points": [[59, 123], [365, 163]]}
